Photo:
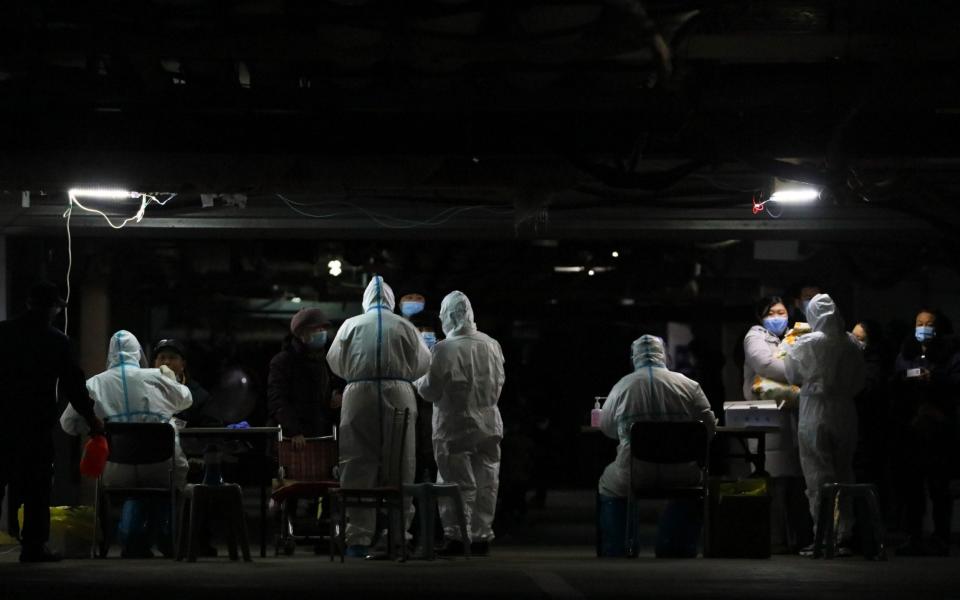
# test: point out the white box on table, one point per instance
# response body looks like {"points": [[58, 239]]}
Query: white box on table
{"points": [[755, 413]]}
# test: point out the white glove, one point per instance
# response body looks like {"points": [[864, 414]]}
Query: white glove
{"points": [[165, 370]]}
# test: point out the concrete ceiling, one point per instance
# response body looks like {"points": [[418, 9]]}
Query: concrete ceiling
{"points": [[484, 119]]}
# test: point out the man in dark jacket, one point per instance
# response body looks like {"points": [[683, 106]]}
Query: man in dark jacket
{"points": [[36, 361], [171, 353], [925, 424], [301, 394]]}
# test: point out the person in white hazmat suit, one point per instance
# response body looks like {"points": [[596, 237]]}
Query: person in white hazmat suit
{"points": [[830, 369], [651, 393], [128, 393], [464, 385], [379, 354]]}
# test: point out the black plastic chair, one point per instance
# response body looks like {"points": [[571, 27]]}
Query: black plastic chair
{"points": [[668, 443], [389, 495], [135, 444]]}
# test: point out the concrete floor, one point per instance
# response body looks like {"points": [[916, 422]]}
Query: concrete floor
{"points": [[549, 555]]}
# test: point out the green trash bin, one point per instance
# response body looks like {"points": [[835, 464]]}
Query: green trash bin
{"points": [[739, 519]]}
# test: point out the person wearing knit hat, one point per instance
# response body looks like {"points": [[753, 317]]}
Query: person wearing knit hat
{"points": [[171, 353], [301, 394], [309, 321]]}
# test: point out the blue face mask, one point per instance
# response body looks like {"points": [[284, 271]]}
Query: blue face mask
{"points": [[429, 338], [318, 340], [775, 325], [925, 334], [411, 308]]}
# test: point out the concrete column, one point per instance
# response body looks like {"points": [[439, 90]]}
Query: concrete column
{"points": [[93, 326], [3, 316]]}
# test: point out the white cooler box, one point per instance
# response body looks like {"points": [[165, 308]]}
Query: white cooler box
{"points": [[759, 413], [781, 456]]}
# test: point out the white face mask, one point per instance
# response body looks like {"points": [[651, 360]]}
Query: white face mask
{"points": [[429, 338], [318, 340]]}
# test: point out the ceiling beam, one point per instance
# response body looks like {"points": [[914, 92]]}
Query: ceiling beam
{"points": [[813, 223]]}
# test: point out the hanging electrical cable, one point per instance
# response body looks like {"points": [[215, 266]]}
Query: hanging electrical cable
{"points": [[390, 221], [73, 195]]}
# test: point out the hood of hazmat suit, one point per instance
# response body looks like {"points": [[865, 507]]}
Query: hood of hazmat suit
{"points": [[456, 315], [825, 361]]}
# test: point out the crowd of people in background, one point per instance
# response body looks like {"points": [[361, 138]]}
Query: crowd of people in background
{"points": [[320, 380], [880, 415], [868, 410], [849, 412]]}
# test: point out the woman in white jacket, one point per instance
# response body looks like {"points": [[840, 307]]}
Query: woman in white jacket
{"points": [[760, 347], [789, 522]]}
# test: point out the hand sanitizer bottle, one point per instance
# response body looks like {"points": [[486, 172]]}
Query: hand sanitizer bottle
{"points": [[596, 413]]}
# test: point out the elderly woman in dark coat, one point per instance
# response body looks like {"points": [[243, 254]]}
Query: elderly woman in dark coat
{"points": [[302, 395]]}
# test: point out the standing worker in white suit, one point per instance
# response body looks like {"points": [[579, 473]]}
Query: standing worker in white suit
{"points": [[464, 385], [830, 369], [379, 354]]}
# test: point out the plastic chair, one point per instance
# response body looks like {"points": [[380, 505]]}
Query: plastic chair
{"points": [[308, 473], [390, 495], [668, 443], [828, 517], [134, 444], [199, 500], [427, 495]]}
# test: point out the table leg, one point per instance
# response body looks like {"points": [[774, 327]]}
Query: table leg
{"points": [[263, 499], [761, 461]]}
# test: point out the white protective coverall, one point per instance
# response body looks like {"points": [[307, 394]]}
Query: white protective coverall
{"points": [[651, 393], [464, 384], [127, 393], [379, 354], [829, 367]]}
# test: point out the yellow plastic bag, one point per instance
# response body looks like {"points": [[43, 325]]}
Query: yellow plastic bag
{"points": [[767, 389], [791, 337], [744, 487], [71, 530]]}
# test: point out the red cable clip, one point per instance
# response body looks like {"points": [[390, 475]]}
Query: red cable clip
{"points": [[757, 206]]}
